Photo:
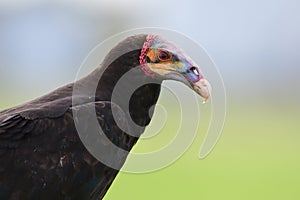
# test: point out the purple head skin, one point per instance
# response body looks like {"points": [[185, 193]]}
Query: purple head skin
{"points": [[168, 61]]}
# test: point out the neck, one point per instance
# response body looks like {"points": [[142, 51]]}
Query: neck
{"points": [[121, 73]]}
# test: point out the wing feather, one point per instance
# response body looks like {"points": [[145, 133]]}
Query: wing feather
{"points": [[45, 158]]}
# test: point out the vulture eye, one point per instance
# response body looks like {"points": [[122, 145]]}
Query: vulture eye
{"points": [[163, 55]]}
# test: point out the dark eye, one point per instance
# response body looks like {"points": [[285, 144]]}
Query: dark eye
{"points": [[163, 55]]}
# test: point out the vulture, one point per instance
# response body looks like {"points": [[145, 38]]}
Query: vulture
{"points": [[42, 155]]}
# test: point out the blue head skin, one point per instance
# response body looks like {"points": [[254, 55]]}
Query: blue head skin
{"points": [[168, 61]]}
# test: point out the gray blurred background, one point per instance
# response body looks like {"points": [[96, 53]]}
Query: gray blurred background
{"points": [[255, 44]]}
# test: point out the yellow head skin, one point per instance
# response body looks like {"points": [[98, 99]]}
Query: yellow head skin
{"points": [[170, 62]]}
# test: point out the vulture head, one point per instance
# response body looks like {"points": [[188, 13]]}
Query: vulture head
{"points": [[164, 60]]}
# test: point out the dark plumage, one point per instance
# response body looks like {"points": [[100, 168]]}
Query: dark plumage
{"points": [[42, 156]]}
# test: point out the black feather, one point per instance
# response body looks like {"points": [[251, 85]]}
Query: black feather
{"points": [[41, 154]]}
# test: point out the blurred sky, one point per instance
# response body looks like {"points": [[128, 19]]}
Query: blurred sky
{"points": [[255, 44]]}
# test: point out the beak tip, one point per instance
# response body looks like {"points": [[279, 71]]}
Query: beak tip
{"points": [[203, 88]]}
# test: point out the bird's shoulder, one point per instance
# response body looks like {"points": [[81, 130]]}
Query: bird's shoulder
{"points": [[45, 146], [32, 119]]}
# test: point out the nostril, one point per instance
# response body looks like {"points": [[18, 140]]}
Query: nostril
{"points": [[195, 70]]}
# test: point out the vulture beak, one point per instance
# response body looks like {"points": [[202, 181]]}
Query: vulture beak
{"points": [[203, 88], [193, 79]]}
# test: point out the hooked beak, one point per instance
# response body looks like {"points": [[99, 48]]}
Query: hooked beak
{"points": [[201, 87]]}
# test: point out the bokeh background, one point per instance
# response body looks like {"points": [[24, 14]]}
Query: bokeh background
{"points": [[256, 46]]}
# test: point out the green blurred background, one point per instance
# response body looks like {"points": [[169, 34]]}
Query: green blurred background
{"points": [[256, 46]]}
